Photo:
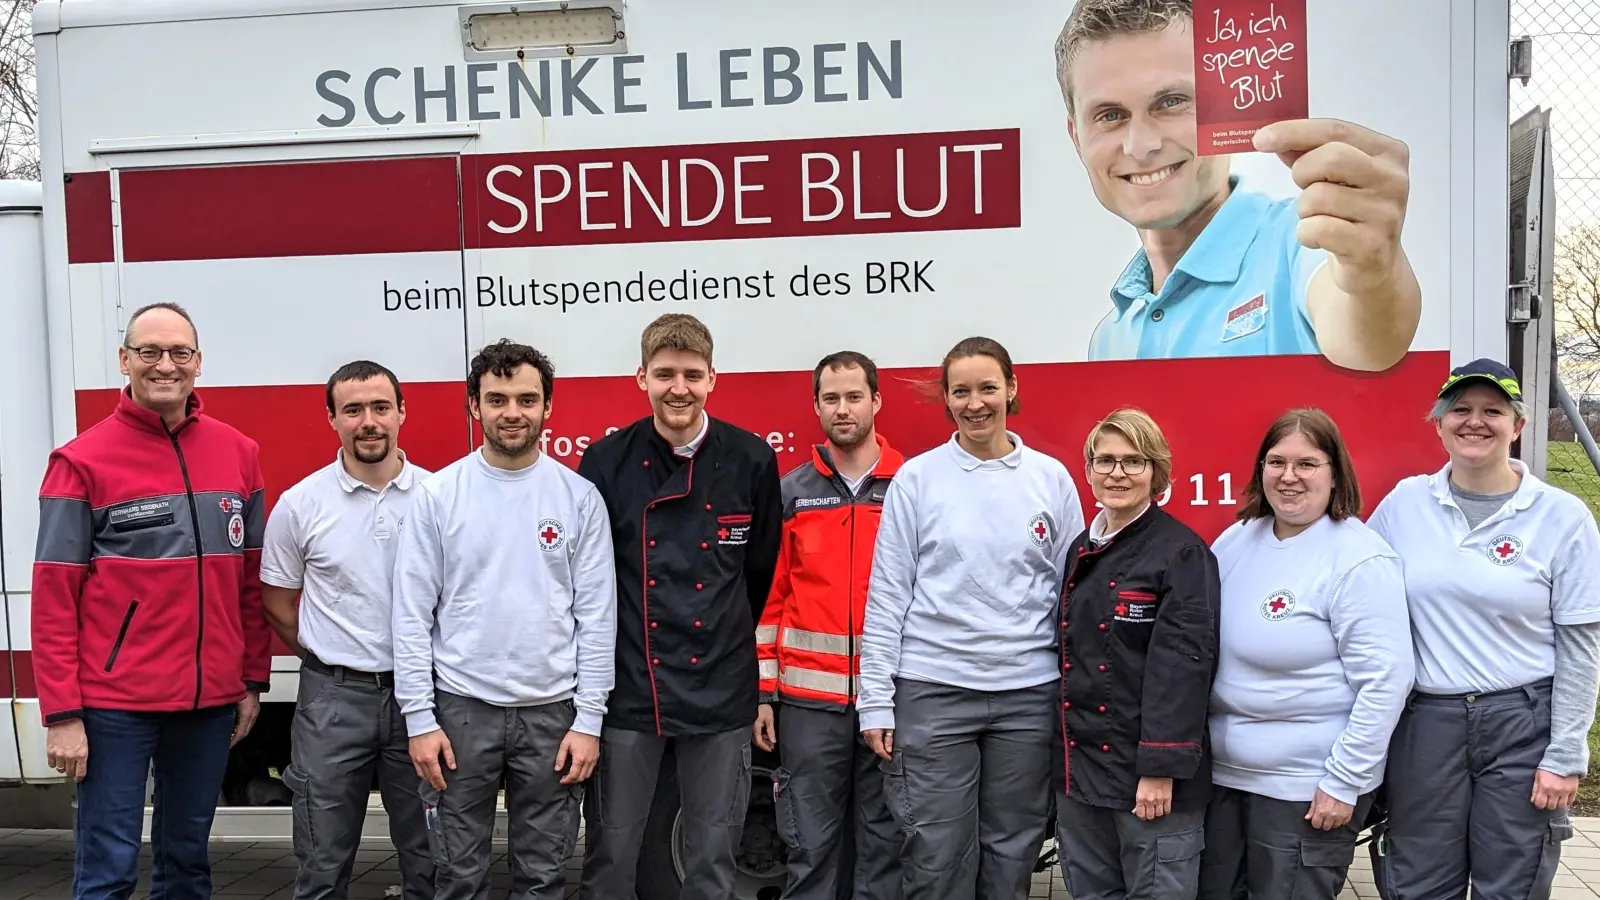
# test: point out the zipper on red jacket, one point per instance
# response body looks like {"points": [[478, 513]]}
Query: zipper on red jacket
{"points": [[200, 570], [644, 586], [850, 603]]}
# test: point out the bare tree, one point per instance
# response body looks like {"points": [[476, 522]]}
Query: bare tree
{"points": [[1577, 307], [19, 106]]}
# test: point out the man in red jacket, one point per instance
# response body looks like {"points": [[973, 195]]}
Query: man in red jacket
{"points": [[150, 643], [829, 790]]}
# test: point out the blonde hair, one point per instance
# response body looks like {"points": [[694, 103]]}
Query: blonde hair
{"points": [[1136, 426], [1101, 20], [675, 331]]}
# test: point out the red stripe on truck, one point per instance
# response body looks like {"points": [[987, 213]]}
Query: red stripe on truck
{"points": [[1213, 412], [290, 209], [88, 209], [873, 184], [16, 675]]}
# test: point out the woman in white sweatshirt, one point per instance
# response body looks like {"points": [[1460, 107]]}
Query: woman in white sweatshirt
{"points": [[1314, 666], [959, 673]]}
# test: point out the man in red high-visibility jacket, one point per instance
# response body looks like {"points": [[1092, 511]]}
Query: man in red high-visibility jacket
{"points": [[150, 642], [828, 788]]}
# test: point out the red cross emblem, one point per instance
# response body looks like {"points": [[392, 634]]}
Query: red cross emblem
{"points": [[550, 534], [1505, 549], [225, 504], [1039, 530], [1122, 609], [236, 531], [722, 534], [1278, 605]]}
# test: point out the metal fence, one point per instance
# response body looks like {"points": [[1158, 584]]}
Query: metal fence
{"points": [[1566, 80]]}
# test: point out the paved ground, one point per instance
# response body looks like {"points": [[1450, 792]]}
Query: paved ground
{"points": [[37, 865]]}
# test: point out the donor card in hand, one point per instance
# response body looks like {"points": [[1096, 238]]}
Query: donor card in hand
{"points": [[1250, 69]]}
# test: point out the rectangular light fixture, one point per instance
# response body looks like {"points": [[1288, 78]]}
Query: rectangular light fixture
{"points": [[542, 28]]}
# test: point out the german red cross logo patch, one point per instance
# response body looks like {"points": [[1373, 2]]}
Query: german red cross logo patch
{"points": [[551, 535], [236, 530], [1505, 549], [1039, 530], [1277, 606]]}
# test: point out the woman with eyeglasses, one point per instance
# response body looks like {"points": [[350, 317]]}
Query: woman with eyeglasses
{"points": [[1315, 665], [1138, 650], [1503, 582]]}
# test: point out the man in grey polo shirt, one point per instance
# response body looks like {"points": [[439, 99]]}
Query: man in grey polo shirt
{"points": [[330, 545]]}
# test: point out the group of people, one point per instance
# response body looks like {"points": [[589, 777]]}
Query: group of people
{"points": [[943, 652]]}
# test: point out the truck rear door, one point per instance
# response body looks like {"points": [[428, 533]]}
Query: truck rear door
{"points": [[24, 444]]}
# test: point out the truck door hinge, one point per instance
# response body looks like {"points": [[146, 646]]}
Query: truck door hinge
{"points": [[1522, 303], [1520, 64]]}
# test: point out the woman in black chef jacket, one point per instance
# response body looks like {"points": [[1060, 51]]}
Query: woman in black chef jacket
{"points": [[1138, 653]]}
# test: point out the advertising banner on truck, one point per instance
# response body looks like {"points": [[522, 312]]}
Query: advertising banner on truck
{"points": [[1254, 209]]}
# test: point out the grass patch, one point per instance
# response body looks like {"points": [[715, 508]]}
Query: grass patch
{"points": [[1568, 467]]}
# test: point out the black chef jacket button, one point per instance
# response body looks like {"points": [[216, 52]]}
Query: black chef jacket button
{"points": [[1102, 668], [653, 583], [704, 545], [1102, 709], [697, 623], [1072, 743], [1105, 748], [694, 660], [1102, 624], [1067, 705], [1066, 665], [708, 507], [646, 464], [652, 543], [1113, 584], [699, 587], [655, 662]]}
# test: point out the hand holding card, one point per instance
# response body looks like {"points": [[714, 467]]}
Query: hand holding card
{"points": [[1354, 186], [1250, 69]]}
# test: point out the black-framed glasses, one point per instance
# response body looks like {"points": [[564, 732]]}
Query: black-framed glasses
{"points": [[152, 355], [1131, 465]]}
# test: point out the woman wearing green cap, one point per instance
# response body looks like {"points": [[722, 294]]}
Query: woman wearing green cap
{"points": [[1503, 584]]}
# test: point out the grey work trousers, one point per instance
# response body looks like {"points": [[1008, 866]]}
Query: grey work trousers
{"points": [[1112, 854], [1460, 775], [714, 785], [1262, 848], [519, 745], [348, 730], [829, 790], [969, 784]]}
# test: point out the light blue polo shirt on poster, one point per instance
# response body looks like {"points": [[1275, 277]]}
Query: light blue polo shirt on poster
{"points": [[1239, 290]]}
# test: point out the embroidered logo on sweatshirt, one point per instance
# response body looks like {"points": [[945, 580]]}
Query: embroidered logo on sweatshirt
{"points": [[1277, 606], [1039, 530], [236, 530], [551, 535], [1505, 549]]}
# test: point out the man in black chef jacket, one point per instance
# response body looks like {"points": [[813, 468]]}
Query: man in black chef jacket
{"points": [[696, 514]]}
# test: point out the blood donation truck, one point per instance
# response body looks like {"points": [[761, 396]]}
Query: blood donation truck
{"points": [[318, 181]]}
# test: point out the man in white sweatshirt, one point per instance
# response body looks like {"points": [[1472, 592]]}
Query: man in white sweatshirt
{"points": [[504, 637]]}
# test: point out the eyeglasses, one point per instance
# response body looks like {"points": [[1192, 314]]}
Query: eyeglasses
{"points": [[1131, 465], [1305, 468], [152, 355]]}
